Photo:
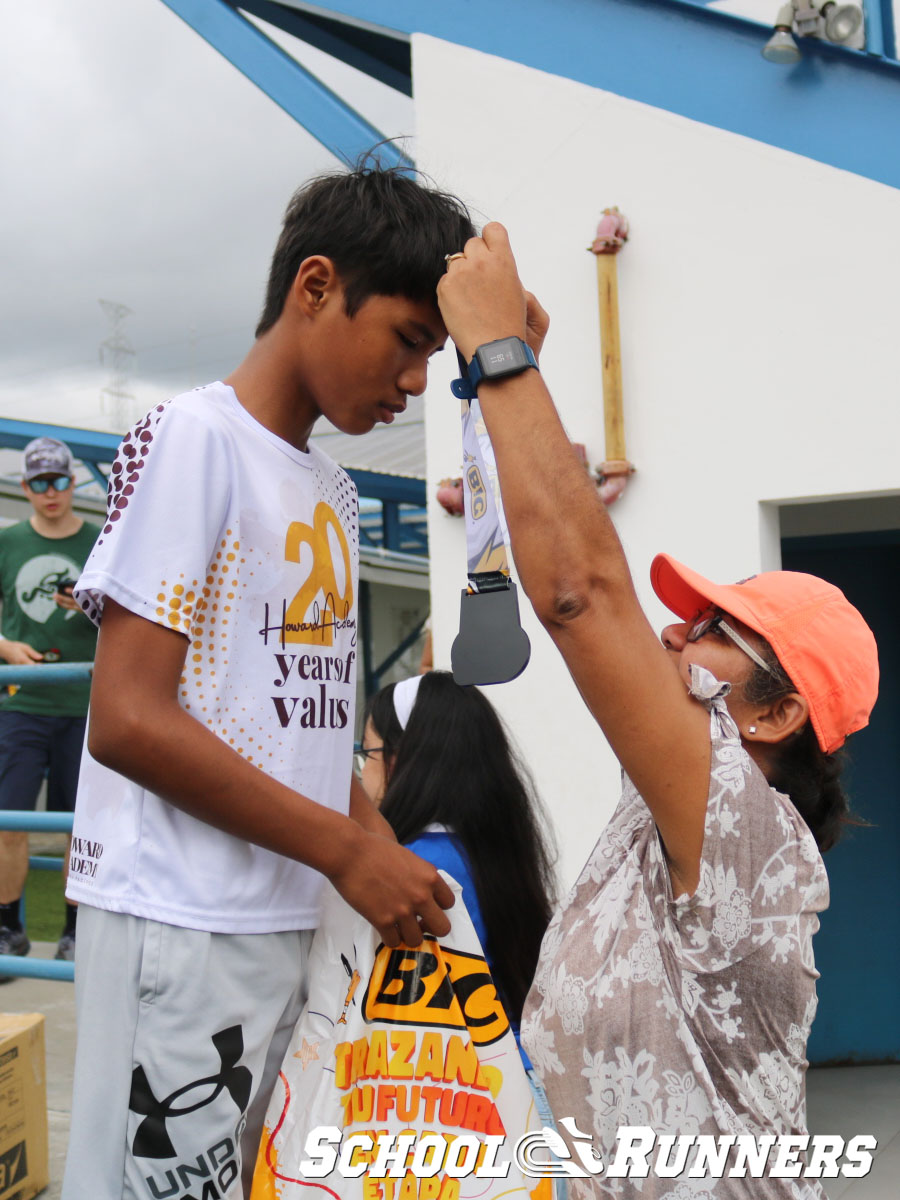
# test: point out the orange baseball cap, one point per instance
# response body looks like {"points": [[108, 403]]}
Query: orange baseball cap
{"points": [[817, 635]]}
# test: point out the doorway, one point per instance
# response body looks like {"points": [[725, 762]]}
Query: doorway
{"points": [[858, 946]]}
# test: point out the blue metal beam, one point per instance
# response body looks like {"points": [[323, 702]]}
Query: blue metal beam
{"points": [[44, 674], [333, 122], [880, 37], [91, 446], [838, 106], [95, 471], [390, 524], [44, 862], [35, 822], [36, 968], [387, 59], [399, 488]]}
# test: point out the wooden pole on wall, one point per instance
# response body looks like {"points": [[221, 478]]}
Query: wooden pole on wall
{"points": [[612, 233]]}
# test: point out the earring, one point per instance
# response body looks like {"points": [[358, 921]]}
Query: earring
{"points": [[751, 729]]}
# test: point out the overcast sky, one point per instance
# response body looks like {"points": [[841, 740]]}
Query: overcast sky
{"points": [[139, 167]]}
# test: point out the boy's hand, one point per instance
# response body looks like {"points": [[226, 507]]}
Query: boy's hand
{"points": [[19, 654], [480, 297], [395, 890]]}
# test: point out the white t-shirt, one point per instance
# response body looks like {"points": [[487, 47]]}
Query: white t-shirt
{"points": [[220, 530]]}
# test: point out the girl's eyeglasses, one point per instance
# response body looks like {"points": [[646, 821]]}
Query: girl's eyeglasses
{"points": [[713, 621], [363, 753], [59, 483]]}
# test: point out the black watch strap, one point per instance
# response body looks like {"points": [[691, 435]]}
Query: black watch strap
{"points": [[493, 360]]}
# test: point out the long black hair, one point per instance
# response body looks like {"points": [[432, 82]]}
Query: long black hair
{"points": [[800, 768], [453, 765]]}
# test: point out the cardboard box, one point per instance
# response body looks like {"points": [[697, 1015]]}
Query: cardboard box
{"points": [[23, 1106]]}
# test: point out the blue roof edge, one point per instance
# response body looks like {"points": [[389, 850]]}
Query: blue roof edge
{"points": [[94, 447], [836, 106]]}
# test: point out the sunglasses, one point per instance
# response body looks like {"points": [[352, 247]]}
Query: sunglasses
{"points": [[59, 483], [713, 621]]}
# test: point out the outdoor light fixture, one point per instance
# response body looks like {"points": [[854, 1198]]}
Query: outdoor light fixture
{"points": [[810, 18], [781, 47], [841, 20], [806, 17]]}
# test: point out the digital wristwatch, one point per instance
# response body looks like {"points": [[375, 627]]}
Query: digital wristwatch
{"points": [[493, 360]]}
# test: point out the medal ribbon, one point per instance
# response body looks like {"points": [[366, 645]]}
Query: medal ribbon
{"points": [[491, 646], [487, 537]]}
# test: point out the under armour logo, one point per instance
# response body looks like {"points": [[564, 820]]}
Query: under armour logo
{"points": [[152, 1137]]}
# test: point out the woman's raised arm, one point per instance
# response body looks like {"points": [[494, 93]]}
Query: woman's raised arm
{"points": [[572, 565]]}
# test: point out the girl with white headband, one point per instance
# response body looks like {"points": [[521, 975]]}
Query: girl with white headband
{"points": [[436, 758]]}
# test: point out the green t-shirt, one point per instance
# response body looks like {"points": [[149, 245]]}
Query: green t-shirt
{"points": [[31, 568]]}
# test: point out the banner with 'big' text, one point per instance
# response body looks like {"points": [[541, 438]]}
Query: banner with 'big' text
{"points": [[403, 1080]]}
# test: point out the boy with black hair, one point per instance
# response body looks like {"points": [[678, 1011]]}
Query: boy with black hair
{"points": [[217, 787]]}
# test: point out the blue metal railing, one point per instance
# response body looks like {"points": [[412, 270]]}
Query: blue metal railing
{"points": [[45, 673], [32, 822]]}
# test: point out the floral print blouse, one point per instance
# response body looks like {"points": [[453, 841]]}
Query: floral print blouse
{"points": [[687, 1014]]}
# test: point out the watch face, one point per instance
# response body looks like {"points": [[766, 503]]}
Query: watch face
{"points": [[503, 357]]}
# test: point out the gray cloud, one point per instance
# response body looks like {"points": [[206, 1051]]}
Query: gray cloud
{"points": [[141, 167]]}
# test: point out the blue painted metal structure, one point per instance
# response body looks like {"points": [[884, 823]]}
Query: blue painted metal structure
{"points": [[838, 106], [91, 446], [37, 968], [45, 673], [385, 58], [331, 120], [34, 822], [400, 525], [881, 37]]}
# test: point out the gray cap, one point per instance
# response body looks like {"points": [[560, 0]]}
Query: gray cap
{"points": [[47, 456]]}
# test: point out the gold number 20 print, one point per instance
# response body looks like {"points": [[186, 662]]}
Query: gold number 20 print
{"points": [[308, 618]]}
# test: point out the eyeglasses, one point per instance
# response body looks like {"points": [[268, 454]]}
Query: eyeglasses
{"points": [[713, 621], [363, 753], [59, 483]]}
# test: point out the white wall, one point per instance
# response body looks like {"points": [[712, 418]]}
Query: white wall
{"points": [[758, 314]]}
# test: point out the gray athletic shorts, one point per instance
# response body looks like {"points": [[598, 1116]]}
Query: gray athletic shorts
{"points": [[181, 1035]]}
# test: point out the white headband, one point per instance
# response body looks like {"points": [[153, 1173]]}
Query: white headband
{"points": [[405, 697]]}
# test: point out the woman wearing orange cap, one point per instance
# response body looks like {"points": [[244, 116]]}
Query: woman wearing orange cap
{"points": [[676, 986]]}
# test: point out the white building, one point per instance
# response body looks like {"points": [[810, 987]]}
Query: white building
{"points": [[758, 315]]}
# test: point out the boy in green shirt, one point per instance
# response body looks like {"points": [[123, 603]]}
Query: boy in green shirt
{"points": [[41, 728]]}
